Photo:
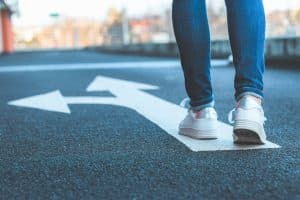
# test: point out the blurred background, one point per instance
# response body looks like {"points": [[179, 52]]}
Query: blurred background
{"points": [[48, 24]]}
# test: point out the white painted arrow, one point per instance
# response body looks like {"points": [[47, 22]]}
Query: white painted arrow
{"points": [[52, 101], [55, 102], [129, 94]]}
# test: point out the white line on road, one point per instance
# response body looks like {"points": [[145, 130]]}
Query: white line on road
{"points": [[129, 94], [95, 66]]}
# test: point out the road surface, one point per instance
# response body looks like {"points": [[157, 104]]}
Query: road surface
{"points": [[103, 151]]}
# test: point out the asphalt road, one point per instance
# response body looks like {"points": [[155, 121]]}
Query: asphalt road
{"points": [[112, 152]]}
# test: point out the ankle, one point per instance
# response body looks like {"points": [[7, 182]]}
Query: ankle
{"points": [[256, 100]]}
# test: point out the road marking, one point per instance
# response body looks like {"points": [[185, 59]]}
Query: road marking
{"points": [[95, 66], [129, 94]]}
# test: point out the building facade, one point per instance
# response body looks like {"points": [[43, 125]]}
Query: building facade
{"points": [[7, 8]]}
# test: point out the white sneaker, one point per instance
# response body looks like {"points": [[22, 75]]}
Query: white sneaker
{"points": [[248, 122], [200, 125]]}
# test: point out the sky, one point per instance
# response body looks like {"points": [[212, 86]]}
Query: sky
{"points": [[36, 12]]}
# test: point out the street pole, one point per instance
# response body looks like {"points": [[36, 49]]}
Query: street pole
{"points": [[125, 25], [55, 16]]}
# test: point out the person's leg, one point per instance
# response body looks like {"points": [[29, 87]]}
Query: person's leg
{"points": [[193, 38], [246, 24]]}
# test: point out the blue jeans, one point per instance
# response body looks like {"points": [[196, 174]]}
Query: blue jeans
{"points": [[246, 25]]}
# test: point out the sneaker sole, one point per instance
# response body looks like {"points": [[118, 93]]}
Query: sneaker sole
{"points": [[244, 136], [198, 134], [247, 132]]}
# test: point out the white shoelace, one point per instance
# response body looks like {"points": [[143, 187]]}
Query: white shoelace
{"points": [[231, 117], [185, 103]]}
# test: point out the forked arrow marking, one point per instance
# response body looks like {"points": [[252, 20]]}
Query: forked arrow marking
{"points": [[54, 101], [129, 94]]}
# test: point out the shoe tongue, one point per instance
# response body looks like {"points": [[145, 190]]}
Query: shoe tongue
{"points": [[248, 102]]}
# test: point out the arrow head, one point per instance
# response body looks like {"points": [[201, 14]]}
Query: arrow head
{"points": [[52, 101], [102, 83]]}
